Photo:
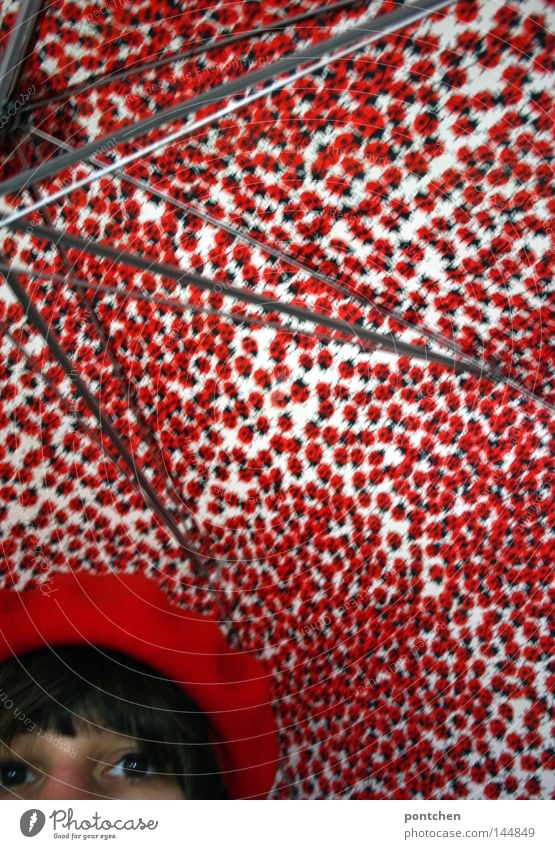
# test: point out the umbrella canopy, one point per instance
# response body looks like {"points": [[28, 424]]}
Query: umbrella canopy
{"points": [[297, 362]]}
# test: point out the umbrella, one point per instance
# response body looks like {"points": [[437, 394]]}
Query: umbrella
{"points": [[276, 330]]}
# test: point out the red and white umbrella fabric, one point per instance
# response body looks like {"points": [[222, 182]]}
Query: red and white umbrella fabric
{"points": [[277, 330]]}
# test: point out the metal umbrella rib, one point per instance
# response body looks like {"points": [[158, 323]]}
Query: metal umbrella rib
{"points": [[146, 434], [142, 67], [11, 66], [493, 374], [105, 424], [267, 249], [386, 342], [171, 303], [35, 368], [324, 53]]}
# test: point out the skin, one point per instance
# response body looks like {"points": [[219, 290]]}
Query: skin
{"points": [[95, 764]]}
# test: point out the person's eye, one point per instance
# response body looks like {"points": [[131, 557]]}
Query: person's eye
{"points": [[134, 766], [15, 773]]}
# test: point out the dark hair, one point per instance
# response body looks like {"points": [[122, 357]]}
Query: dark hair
{"points": [[69, 688]]}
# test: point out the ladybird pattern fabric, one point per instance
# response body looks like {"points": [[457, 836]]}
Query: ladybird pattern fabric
{"points": [[379, 529]]}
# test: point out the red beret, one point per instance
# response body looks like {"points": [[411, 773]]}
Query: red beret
{"points": [[131, 614]]}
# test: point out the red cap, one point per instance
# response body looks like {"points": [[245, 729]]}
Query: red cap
{"points": [[131, 614]]}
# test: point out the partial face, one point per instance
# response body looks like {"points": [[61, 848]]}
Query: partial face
{"points": [[95, 764]]}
